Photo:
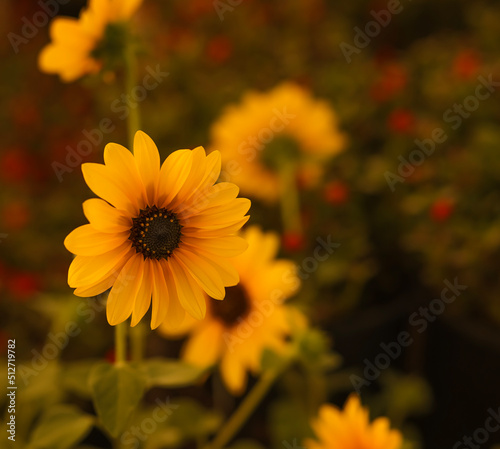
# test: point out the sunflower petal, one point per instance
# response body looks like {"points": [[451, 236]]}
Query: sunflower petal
{"points": [[190, 295], [105, 218], [147, 159], [87, 270], [203, 272], [176, 315], [198, 352], [122, 296], [121, 164], [143, 297], [86, 241], [103, 184], [160, 295], [233, 373], [230, 246], [173, 174]]}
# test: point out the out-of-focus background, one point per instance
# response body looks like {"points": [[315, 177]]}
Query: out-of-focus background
{"points": [[413, 199]]}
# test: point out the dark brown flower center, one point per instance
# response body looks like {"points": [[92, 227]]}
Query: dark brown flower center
{"points": [[155, 233], [233, 308]]}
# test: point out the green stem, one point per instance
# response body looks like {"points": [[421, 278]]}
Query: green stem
{"points": [[133, 118], [137, 341], [121, 343], [289, 199], [247, 407]]}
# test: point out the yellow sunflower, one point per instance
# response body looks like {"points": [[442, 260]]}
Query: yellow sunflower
{"points": [[266, 131], [351, 429], [164, 234], [250, 319], [77, 44]]}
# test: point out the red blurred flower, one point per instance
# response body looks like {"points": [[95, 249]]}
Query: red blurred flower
{"points": [[466, 64], [219, 49], [16, 165], [392, 80], [23, 285], [441, 209], [401, 121], [293, 241], [336, 192]]}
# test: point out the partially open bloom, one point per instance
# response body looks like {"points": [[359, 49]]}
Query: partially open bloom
{"points": [[164, 234], [251, 318], [267, 131], [77, 44], [351, 429]]}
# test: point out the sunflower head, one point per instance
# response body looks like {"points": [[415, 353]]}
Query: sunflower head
{"points": [[252, 316], [81, 46], [160, 234], [270, 130], [351, 428]]}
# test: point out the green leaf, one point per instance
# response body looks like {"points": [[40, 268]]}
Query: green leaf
{"points": [[116, 391], [75, 377], [61, 427], [160, 372]]}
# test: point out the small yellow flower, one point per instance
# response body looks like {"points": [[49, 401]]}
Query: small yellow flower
{"points": [[250, 319], [268, 130], [74, 50], [351, 429], [164, 234]]}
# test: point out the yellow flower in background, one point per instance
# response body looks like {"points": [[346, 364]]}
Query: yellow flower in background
{"points": [[162, 234], [268, 130], [351, 429], [251, 318], [77, 43]]}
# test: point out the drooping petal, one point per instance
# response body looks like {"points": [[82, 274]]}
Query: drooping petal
{"points": [[233, 373], [203, 272], [198, 352], [189, 293], [176, 314], [160, 295], [122, 296], [143, 297]]}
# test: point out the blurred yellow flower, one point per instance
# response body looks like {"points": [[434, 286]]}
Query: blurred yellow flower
{"points": [[162, 233], [250, 319], [351, 429], [269, 130], [76, 43]]}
